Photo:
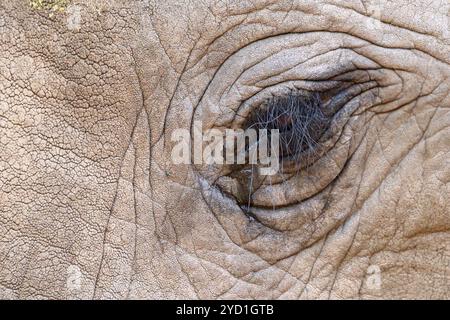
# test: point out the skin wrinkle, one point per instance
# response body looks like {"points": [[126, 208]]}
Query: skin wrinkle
{"points": [[393, 99], [318, 258], [171, 99], [341, 48], [212, 210], [133, 264], [281, 34], [376, 190], [354, 234], [134, 182], [240, 278], [112, 207], [387, 22], [333, 32]]}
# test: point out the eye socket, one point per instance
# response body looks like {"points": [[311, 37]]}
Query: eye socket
{"points": [[277, 216], [314, 103]]}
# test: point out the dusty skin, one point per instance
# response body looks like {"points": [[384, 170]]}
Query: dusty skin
{"points": [[91, 205]]}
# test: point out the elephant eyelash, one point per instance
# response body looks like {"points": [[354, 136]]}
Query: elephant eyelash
{"points": [[300, 119]]}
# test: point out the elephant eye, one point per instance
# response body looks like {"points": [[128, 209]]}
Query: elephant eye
{"points": [[299, 118], [316, 103], [309, 125]]}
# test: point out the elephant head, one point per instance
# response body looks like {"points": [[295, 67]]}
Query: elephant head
{"points": [[93, 205]]}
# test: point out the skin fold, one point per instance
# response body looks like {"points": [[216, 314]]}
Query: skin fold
{"points": [[91, 205]]}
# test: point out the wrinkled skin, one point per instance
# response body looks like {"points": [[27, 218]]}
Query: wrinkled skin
{"points": [[88, 190]]}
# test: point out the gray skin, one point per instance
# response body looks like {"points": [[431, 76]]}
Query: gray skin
{"points": [[93, 207]]}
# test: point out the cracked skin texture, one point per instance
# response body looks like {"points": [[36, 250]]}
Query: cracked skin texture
{"points": [[86, 182]]}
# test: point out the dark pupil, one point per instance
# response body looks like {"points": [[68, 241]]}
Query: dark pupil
{"points": [[299, 119]]}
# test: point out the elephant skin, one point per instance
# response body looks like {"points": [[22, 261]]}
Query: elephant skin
{"points": [[92, 207]]}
